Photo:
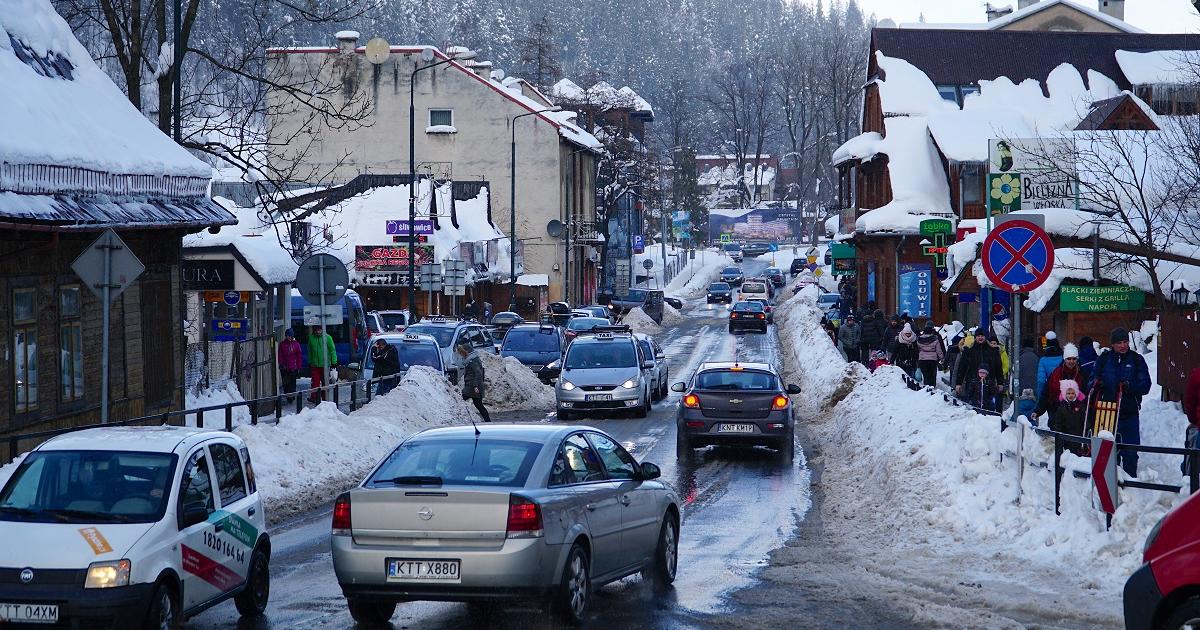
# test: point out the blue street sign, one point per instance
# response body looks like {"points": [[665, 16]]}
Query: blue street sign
{"points": [[772, 247], [232, 298], [1017, 256], [639, 244], [230, 329]]}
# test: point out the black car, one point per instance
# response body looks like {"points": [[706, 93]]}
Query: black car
{"points": [[775, 275], [755, 249], [502, 322], [720, 292], [534, 345], [748, 316], [732, 275], [798, 265], [735, 403], [675, 303]]}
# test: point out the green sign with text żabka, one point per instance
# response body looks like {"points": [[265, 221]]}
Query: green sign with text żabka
{"points": [[929, 227], [1085, 299]]}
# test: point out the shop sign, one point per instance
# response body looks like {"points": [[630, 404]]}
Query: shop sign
{"points": [[1004, 192], [916, 289], [844, 259], [388, 257], [202, 275], [227, 296], [1087, 299]]}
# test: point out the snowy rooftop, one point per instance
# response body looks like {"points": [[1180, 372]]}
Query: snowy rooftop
{"points": [[602, 94], [1021, 14], [69, 112], [728, 176], [257, 242], [1179, 67]]}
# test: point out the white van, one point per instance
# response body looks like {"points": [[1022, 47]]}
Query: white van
{"points": [[754, 289], [132, 527]]}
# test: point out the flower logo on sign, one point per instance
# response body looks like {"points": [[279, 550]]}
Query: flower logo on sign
{"points": [[1006, 188]]}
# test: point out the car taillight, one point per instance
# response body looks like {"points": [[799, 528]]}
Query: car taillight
{"points": [[780, 402], [341, 515], [762, 316], [524, 518], [733, 316], [691, 401], [695, 424]]}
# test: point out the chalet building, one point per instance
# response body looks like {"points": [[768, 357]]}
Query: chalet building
{"points": [[1107, 16], [77, 159], [933, 100]]}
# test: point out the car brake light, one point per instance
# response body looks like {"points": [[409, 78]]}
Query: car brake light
{"points": [[761, 316], [695, 424], [341, 515], [733, 316], [524, 518], [691, 401], [780, 402]]}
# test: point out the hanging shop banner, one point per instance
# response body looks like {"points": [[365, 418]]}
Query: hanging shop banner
{"points": [[870, 281], [843, 259], [1085, 299], [1049, 189], [388, 257], [1004, 192], [916, 287]]}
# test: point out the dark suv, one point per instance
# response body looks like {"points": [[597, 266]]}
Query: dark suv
{"points": [[798, 265], [720, 292], [735, 403]]}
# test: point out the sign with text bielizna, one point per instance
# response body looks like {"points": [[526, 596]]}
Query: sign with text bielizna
{"points": [[1082, 299], [388, 258]]}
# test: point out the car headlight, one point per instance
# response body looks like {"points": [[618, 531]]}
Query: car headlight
{"points": [[566, 385], [630, 384], [107, 574]]}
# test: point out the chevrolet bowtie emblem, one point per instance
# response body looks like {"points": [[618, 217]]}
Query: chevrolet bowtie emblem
{"points": [[735, 401]]}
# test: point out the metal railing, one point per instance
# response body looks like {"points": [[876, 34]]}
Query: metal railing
{"points": [[275, 405]]}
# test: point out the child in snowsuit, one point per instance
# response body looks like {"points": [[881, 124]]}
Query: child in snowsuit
{"points": [[982, 390], [1068, 415]]}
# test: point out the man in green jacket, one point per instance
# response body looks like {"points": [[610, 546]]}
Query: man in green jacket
{"points": [[322, 354]]}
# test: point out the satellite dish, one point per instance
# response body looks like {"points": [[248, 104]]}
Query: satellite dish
{"points": [[378, 50], [554, 228], [426, 55]]}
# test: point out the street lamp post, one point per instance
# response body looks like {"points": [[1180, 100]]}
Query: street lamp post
{"points": [[1096, 240], [512, 206], [427, 56]]}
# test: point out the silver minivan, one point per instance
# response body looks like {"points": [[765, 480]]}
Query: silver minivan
{"points": [[502, 512]]}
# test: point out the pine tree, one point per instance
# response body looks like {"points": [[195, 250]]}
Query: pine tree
{"points": [[538, 55]]}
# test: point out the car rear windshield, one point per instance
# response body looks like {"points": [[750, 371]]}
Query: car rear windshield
{"points": [[531, 340], [443, 334], [586, 323], [718, 286], [601, 354], [829, 298], [748, 306], [410, 354], [392, 320], [739, 381], [732, 271], [88, 487], [458, 462], [732, 247], [754, 287]]}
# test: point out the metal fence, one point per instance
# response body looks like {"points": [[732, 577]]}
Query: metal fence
{"points": [[249, 364], [268, 409]]}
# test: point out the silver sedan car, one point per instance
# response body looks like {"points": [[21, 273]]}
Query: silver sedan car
{"points": [[502, 512]]}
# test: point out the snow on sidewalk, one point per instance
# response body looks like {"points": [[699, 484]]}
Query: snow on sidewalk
{"points": [[512, 386], [692, 281], [925, 478]]}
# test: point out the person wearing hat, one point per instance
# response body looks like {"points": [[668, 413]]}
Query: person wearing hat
{"points": [[386, 361], [930, 352], [978, 352], [849, 337], [1121, 374], [983, 390], [871, 338], [291, 359], [1068, 370], [322, 355], [473, 377], [1051, 358]]}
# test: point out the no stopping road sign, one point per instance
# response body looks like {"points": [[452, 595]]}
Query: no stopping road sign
{"points": [[1017, 256]]}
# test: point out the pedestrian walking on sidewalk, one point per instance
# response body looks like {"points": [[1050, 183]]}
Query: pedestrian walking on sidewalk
{"points": [[1051, 358], [1069, 413], [387, 364], [849, 336], [473, 377], [930, 352], [291, 359], [1122, 376], [904, 351], [322, 354], [1027, 392]]}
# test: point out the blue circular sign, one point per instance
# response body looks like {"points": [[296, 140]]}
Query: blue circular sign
{"points": [[1017, 256], [233, 298]]}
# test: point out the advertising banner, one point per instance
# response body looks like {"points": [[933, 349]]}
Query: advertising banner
{"points": [[916, 287], [1084, 299], [388, 257]]}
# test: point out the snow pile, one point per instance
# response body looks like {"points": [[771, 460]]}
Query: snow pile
{"points": [[639, 322], [938, 468], [8, 469], [919, 187], [671, 316], [862, 147], [211, 398], [512, 386], [693, 280], [310, 457], [1158, 67], [905, 89]]}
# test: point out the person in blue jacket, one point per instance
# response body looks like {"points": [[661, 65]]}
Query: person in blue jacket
{"points": [[1122, 373], [1087, 359], [1052, 357]]}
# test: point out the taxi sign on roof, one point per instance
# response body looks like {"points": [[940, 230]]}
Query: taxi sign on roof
{"points": [[604, 335], [412, 337]]}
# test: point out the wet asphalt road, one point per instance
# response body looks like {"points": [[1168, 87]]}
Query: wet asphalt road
{"points": [[738, 506]]}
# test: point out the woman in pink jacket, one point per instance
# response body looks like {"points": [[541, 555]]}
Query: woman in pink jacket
{"points": [[291, 359]]}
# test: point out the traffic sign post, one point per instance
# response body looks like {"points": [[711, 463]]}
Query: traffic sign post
{"points": [[454, 281], [107, 267], [1017, 256], [322, 279], [1104, 474], [431, 280]]}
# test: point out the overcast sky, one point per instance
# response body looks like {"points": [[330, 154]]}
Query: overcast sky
{"points": [[1155, 16]]}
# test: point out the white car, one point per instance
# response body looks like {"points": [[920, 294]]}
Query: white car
{"points": [[131, 527]]}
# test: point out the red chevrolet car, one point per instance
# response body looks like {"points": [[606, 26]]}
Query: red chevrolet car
{"points": [[1165, 592]]}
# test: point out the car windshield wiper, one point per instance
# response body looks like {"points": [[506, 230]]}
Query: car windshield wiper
{"points": [[11, 509], [65, 514], [417, 480]]}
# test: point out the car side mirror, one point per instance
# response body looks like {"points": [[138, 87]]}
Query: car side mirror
{"points": [[649, 471], [193, 514], [647, 365], [679, 387], [793, 389]]}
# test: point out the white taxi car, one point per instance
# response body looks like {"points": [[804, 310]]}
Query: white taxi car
{"points": [[131, 527]]}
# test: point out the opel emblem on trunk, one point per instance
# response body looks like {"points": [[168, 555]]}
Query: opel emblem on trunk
{"points": [[425, 513], [26, 576], [735, 401]]}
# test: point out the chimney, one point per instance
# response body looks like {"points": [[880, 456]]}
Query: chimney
{"points": [[347, 41], [1113, 8], [995, 13], [481, 68], [1021, 4]]}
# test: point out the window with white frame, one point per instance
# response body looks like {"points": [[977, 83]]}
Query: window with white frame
{"points": [[441, 118], [25, 375]]}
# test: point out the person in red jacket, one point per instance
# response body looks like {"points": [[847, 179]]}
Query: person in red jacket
{"points": [[1191, 398], [291, 359]]}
